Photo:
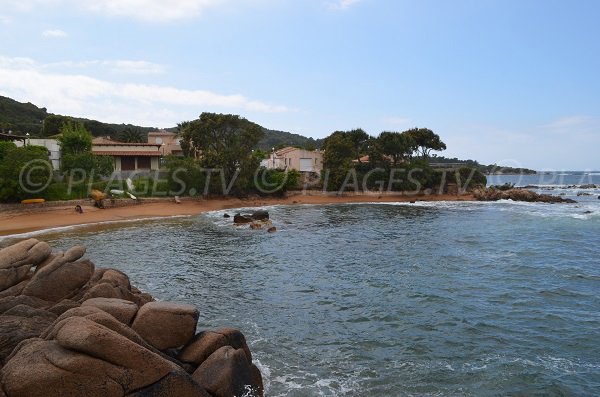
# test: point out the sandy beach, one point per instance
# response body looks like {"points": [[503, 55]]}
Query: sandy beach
{"points": [[34, 219]]}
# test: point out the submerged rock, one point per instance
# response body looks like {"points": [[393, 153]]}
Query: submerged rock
{"points": [[65, 331]]}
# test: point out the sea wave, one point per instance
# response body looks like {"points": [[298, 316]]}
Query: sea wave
{"points": [[83, 225]]}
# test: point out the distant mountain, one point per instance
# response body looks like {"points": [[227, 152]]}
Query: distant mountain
{"points": [[278, 139], [22, 118]]}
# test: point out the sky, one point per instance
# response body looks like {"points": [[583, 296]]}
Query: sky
{"points": [[511, 82]]}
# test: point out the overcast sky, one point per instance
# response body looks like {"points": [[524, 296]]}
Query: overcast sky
{"points": [[512, 82]]}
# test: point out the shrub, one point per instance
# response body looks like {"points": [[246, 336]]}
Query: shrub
{"points": [[25, 172]]}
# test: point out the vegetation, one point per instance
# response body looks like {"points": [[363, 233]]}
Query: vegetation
{"points": [[24, 172], [337, 159], [76, 153], [226, 143], [223, 153], [485, 169], [22, 118], [131, 135], [280, 139]]}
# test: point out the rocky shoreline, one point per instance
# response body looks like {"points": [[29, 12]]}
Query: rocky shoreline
{"points": [[516, 194], [68, 328]]}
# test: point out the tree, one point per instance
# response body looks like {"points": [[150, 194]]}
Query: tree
{"points": [[131, 135], [25, 172], [53, 124], [74, 139], [398, 146], [5, 147], [426, 141], [359, 139], [76, 152], [225, 142], [337, 159]]}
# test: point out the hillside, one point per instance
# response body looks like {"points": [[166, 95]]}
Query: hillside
{"points": [[486, 169], [22, 118], [279, 139]]}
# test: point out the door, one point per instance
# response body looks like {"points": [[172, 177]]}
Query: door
{"points": [[143, 163], [306, 165], [127, 163]]}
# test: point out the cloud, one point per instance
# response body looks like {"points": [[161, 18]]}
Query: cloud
{"points": [[118, 66], [343, 4], [151, 10], [144, 104], [146, 10], [54, 33]]}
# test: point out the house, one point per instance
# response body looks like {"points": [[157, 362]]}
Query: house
{"points": [[295, 159], [50, 144], [129, 156], [169, 142]]}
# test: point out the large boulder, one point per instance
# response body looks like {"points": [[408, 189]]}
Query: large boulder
{"points": [[166, 325], [228, 373], [84, 356], [202, 346], [121, 309], [174, 384], [27, 252], [60, 279], [13, 276], [19, 323], [207, 342]]}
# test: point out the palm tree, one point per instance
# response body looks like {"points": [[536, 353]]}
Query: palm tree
{"points": [[131, 135]]}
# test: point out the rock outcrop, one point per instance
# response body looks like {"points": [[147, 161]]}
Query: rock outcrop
{"points": [[491, 194], [68, 328], [260, 215]]}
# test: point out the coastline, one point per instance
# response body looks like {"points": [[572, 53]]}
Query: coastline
{"points": [[39, 219]]}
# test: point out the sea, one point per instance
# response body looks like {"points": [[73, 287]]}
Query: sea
{"points": [[395, 299]]}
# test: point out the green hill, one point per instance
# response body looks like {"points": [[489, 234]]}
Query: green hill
{"points": [[279, 139], [22, 118]]}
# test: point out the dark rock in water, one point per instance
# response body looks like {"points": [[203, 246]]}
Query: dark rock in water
{"points": [[241, 219], [226, 216], [260, 215], [64, 331], [272, 229], [588, 212], [588, 186], [518, 195]]}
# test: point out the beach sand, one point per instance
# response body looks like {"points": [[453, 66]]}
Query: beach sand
{"points": [[34, 219]]}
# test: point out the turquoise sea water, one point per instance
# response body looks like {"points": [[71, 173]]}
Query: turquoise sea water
{"points": [[424, 299]]}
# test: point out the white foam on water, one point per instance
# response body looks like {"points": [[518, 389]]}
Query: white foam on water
{"points": [[83, 225]]}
